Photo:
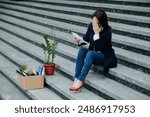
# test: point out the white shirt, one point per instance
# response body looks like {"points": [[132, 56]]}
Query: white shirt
{"points": [[95, 37]]}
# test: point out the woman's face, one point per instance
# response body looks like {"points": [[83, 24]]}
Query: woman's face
{"points": [[95, 22]]}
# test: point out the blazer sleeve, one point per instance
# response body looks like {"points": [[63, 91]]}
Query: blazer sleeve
{"points": [[86, 36]]}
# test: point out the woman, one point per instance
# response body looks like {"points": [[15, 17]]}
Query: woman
{"points": [[100, 50]]}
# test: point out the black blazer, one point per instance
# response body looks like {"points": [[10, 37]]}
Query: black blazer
{"points": [[103, 45]]}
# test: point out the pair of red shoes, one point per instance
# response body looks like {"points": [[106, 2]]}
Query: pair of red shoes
{"points": [[77, 88]]}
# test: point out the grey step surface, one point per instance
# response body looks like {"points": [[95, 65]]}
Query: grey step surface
{"points": [[132, 42], [88, 11], [7, 90], [120, 1], [99, 83], [121, 53], [102, 5], [62, 84], [116, 26], [122, 71], [146, 1], [46, 93], [1, 97]]}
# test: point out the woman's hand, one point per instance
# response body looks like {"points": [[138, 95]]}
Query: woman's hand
{"points": [[97, 29], [77, 40], [96, 26]]}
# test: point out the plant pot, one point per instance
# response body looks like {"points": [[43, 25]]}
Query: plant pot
{"points": [[49, 69]]}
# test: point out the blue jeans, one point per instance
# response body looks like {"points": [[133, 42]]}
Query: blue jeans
{"points": [[84, 62]]}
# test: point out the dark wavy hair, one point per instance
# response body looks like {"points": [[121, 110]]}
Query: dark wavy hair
{"points": [[102, 17]]}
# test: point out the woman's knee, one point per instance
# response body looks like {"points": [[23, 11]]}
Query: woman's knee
{"points": [[97, 57], [82, 52], [89, 55]]}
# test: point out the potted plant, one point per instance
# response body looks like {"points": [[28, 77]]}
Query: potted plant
{"points": [[49, 48]]}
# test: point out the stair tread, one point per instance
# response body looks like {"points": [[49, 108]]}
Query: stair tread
{"points": [[10, 92], [88, 11], [81, 19], [138, 43], [103, 5], [62, 83], [145, 1], [5, 63], [7, 90], [132, 56]]}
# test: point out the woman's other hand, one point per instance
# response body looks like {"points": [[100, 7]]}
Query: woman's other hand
{"points": [[96, 26], [96, 29]]}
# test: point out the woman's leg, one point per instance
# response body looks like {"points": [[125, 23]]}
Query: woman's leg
{"points": [[92, 57], [79, 64], [80, 61]]}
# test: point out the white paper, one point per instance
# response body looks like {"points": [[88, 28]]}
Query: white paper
{"points": [[76, 36], [81, 40]]}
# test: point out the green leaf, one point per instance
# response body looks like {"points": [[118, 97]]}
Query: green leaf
{"points": [[23, 67]]}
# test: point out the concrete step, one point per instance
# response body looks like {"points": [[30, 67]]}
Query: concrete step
{"points": [[9, 91], [132, 42], [115, 1], [97, 5], [45, 93], [125, 42], [65, 63], [141, 1], [137, 31], [133, 57], [1, 97], [88, 12], [5, 63], [121, 53], [62, 84]]}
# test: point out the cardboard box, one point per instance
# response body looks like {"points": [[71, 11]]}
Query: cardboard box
{"points": [[31, 82]]}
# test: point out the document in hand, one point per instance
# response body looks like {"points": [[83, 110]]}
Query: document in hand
{"points": [[76, 35], [82, 43]]}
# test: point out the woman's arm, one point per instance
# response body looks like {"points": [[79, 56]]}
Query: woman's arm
{"points": [[86, 36]]}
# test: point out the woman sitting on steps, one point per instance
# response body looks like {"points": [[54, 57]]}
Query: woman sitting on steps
{"points": [[99, 52]]}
